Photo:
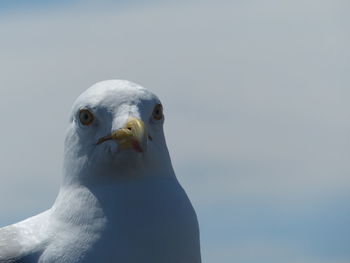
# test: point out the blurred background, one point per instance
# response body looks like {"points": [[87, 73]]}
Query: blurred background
{"points": [[256, 97]]}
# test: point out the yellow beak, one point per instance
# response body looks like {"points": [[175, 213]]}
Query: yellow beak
{"points": [[132, 136]]}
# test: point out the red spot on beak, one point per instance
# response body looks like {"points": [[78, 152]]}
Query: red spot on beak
{"points": [[136, 146]]}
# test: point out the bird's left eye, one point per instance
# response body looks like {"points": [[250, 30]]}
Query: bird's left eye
{"points": [[86, 117], [158, 112]]}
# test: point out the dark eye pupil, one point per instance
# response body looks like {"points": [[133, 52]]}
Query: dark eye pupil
{"points": [[86, 117], [158, 112]]}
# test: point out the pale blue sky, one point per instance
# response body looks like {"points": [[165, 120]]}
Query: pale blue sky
{"points": [[256, 102]]}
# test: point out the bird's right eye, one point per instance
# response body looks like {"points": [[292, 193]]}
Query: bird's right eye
{"points": [[86, 117]]}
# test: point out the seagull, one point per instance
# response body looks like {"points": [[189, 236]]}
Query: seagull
{"points": [[119, 200]]}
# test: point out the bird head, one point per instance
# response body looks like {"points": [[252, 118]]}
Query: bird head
{"points": [[116, 131]]}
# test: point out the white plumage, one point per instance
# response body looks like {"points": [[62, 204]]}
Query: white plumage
{"points": [[119, 200]]}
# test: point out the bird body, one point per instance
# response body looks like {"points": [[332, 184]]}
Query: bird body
{"points": [[120, 200]]}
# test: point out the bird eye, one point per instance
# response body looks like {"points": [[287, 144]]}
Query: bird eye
{"points": [[86, 117], [158, 112]]}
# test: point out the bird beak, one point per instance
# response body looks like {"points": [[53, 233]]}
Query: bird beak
{"points": [[132, 136]]}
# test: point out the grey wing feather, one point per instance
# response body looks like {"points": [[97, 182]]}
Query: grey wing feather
{"points": [[25, 259], [23, 242]]}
